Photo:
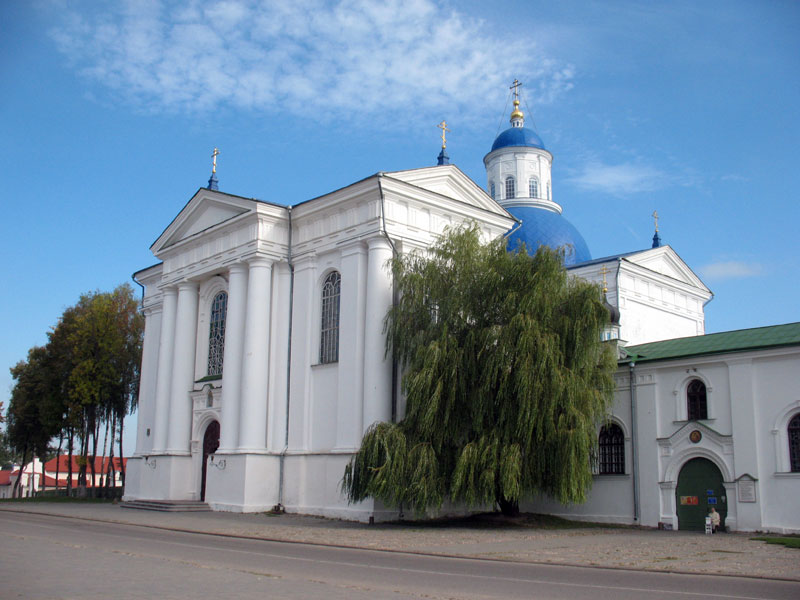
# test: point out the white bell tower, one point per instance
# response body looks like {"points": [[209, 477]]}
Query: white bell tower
{"points": [[518, 166]]}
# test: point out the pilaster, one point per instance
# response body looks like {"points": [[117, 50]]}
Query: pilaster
{"points": [[232, 357], [255, 370], [180, 413], [166, 347], [377, 366]]}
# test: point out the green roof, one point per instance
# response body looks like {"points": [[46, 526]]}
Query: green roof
{"points": [[717, 343]]}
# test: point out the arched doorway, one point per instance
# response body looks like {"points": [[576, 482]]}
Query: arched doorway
{"points": [[700, 486], [210, 445]]}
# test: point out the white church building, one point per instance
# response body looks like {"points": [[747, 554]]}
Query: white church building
{"points": [[263, 360]]}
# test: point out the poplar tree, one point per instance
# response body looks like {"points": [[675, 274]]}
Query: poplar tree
{"points": [[505, 380]]}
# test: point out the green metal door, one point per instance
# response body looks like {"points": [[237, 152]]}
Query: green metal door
{"points": [[699, 488]]}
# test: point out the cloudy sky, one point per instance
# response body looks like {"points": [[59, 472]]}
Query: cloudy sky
{"points": [[110, 112]]}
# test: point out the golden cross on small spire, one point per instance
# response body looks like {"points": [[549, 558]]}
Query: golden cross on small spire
{"points": [[604, 270], [655, 216], [515, 86], [443, 127], [214, 156]]}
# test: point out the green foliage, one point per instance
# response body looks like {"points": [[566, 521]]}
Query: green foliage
{"points": [[505, 380], [87, 373]]}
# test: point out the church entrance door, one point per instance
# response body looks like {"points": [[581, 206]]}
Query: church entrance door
{"points": [[699, 488], [210, 445]]}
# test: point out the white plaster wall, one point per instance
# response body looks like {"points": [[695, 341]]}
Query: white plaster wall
{"points": [[314, 488], [642, 321]]}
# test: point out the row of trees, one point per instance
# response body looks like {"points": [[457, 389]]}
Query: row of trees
{"points": [[505, 376], [80, 386]]}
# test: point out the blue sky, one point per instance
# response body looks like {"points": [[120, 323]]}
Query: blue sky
{"points": [[110, 111]]}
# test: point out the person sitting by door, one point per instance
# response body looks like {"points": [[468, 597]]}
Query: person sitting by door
{"points": [[714, 520]]}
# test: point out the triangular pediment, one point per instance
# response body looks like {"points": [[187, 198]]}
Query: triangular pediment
{"points": [[207, 209], [450, 181], [665, 261]]}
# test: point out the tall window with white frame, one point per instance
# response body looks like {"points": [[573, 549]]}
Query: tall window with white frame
{"points": [[696, 401], [794, 443], [510, 188], [611, 448], [329, 331], [493, 191], [533, 187], [216, 333]]}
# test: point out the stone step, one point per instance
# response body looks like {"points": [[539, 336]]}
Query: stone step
{"points": [[167, 505]]}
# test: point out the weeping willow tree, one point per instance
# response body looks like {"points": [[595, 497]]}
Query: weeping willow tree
{"points": [[505, 379]]}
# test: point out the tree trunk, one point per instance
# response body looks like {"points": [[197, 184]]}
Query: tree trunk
{"points": [[95, 435], [103, 465], [110, 470], [121, 455], [18, 483], [70, 442], [58, 457], [509, 508]]}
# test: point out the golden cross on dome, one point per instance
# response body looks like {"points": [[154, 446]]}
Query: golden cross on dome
{"points": [[214, 156], [443, 127], [515, 86], [604, 270], [655, 216]]}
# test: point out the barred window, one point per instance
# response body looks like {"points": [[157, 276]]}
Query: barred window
{"points": [[216, 333], [510, 188], [492, 191], [533, 188], [696, 404], [329, 338], [794, 443], [612, 450]]}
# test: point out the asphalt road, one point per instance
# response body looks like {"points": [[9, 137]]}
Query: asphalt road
{"points": [[54, 557]]}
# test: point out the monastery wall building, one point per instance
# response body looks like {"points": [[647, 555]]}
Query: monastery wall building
{"points": [[263, 360]]}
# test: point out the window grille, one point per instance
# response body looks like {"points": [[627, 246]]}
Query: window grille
{"points": [[216, 333], [696, 404], [492, 188], [510, 189], [612, 450], [329, 332], [794, 443], [533, 190]]}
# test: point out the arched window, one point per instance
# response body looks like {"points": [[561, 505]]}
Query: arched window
{"points": [[612, 450], [510, 188], [329, 332], [533, 188], [794, 443], [216, 333], [492, 191], [696, 405]]}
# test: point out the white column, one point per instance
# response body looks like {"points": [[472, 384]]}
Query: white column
{"points": [[377, 367], [232, 357], [255, 370], [349, 408], [166, 346], [279, 356], [180, 408], [147, 381]]}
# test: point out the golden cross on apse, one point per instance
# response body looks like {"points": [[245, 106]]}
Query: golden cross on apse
{"points": [[443, 127]]}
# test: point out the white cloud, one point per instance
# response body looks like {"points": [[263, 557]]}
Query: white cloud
{"points": [[625, 178], [345, 59], [732, 269]]}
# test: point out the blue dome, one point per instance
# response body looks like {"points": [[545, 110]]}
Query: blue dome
{"points": [[543, 227], [518, 136]]}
